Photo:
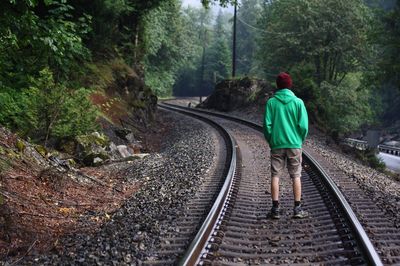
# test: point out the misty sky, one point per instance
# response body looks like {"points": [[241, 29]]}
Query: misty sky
{"points": [[197, 3], [194, 3]]}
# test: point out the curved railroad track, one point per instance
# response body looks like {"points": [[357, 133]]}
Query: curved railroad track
{"points": [[176, 240], [243, 235]]}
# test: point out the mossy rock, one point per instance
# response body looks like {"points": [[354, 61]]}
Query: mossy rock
{"points": [[93, 139], [72, 162], [69, 147], [235, 94], [92, 146], [20, 145], [12, 154], [41, 150]]}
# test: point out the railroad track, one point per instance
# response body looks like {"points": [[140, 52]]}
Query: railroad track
{"points": [[236, 230]]}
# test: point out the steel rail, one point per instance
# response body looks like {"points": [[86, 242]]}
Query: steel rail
{"points": [[197, 246], [368, 248]]}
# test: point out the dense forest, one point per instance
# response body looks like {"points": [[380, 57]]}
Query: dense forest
{"points": [[344, 56]]}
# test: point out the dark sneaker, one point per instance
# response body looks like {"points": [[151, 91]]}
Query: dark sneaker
{"points": [[299, 213], [274, 214]]}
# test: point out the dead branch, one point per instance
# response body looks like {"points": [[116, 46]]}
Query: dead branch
{"points": [[26, 253]]}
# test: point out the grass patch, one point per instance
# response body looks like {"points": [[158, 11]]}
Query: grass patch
{"points": [[369, 157]]}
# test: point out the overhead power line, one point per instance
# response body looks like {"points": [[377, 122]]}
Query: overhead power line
{"points": [[251, 26], [262, 30]]}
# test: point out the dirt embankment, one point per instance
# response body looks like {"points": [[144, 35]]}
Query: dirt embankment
{"points": [[42, 201], [43, 198]]}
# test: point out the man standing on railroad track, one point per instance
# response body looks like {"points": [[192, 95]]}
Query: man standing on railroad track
{"points": [[285, 129]]}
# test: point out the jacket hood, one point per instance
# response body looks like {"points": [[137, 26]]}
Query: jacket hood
{"points": [[285, 96]]}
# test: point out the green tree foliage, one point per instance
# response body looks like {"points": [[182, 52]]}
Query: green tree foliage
{"points": [[116, 25], [248, 34], [33, 41], [389, 62], [166, 46], [108, 32], [223, 26], [77, 115], [332, 35], [61, 112], [190, 78], [47, 109], [321, 43], [218, 58], [46, 44], [346, 107], [210, 60], [40, 49], [384, 76], [218, 61], [224, 3], [18, 111]]}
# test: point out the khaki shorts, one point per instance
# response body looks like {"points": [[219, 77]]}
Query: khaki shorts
{"points": [[279, 158]]}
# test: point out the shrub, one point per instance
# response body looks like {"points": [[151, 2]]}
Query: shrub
{"points": [[346, 106], [369, 157], [47, 109]]}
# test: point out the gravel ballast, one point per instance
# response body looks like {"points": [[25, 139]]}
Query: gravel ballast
{"points": [[167, 180], [382, 188]]}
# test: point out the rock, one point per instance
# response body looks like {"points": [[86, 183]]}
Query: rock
{"points": [[97, 161], [123, 150], [113, 147], [238, 93], [92, 146], [140, 155], [122, 133], [130, 137], [135, 147], [60, 164], [69, 147], [113, 151], [41, 150], [72, 162], [20, 145], [128, 258]]}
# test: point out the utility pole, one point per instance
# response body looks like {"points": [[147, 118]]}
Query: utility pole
{"points": [[234, 41]]}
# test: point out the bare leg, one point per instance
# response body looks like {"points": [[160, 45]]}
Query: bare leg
{"points": [[275, 188], [296, 188]]}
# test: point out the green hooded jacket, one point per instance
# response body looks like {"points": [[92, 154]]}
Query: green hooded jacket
{"points": [[285, 121]]}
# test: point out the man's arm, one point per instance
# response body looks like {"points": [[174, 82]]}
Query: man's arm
{"points": [[267, 124], [303, 121]]}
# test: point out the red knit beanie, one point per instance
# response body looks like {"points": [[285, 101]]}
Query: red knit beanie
{"points": [[283, 81]]}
